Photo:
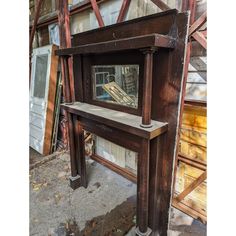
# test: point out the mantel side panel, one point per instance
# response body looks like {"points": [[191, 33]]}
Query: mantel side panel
{"points": [[167, 90]]}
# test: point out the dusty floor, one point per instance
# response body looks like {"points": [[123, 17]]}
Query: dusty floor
{"points": [[107, 205]]}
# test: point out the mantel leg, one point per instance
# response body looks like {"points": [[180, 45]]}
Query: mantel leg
{"points": [[81, 153], [143, 190], [74, 178]]}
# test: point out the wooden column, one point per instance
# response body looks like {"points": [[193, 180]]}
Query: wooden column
{"points": [[80, 153], [147, 88], [68, 86], [74, 178], [143, 189]]}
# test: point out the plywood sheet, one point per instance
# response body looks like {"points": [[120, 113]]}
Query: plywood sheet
{"points": [[186, 174]]}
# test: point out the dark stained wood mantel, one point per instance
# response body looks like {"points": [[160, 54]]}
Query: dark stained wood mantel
{"points": [[123, 129], [151, 40], [157, 44], [117, 119]]}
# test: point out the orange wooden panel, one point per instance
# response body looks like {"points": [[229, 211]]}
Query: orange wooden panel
{"points": [[186, 174]]}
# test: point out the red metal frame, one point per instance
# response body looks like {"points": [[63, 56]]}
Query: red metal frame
{"points": [[123, 10], [97, 13]]}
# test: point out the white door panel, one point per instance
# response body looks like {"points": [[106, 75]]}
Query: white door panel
{"points": [[41, 61]]}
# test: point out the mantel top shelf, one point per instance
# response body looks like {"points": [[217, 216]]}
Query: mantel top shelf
{"points": [[116, 119], [146, 41]]}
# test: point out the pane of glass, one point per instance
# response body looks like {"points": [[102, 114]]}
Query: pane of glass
{"points": [[116, 84], [40, 76]]}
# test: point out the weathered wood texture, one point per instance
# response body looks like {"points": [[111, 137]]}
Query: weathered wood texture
{"points": [[166, 103], [51, 102], [151, 40], [127, 29], [120, 129], [68, 92], [190, 192], [192, 161], [120, 120], [166, 93]]}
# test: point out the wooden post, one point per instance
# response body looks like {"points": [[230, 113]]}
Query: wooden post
{"points": [[147, 88], [143, 189], [80, 151], [68, 86]]}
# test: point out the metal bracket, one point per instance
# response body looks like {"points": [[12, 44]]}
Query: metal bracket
{"points": [[75, 182], [147, 233], [146, 126]]}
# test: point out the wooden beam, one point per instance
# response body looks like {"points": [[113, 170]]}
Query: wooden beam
{"points": [[204, 32], [123, 10], [200, 38], [190, 211], [192, 186], [97, 13], [161, 5], [195, 102], [198, 23], [192, 163]]}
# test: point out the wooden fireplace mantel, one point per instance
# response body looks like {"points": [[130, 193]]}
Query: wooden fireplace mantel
{"points": [[157, 43], [123, 129]]}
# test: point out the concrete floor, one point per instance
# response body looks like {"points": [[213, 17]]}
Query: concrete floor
{"points": [[53, 204]]}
